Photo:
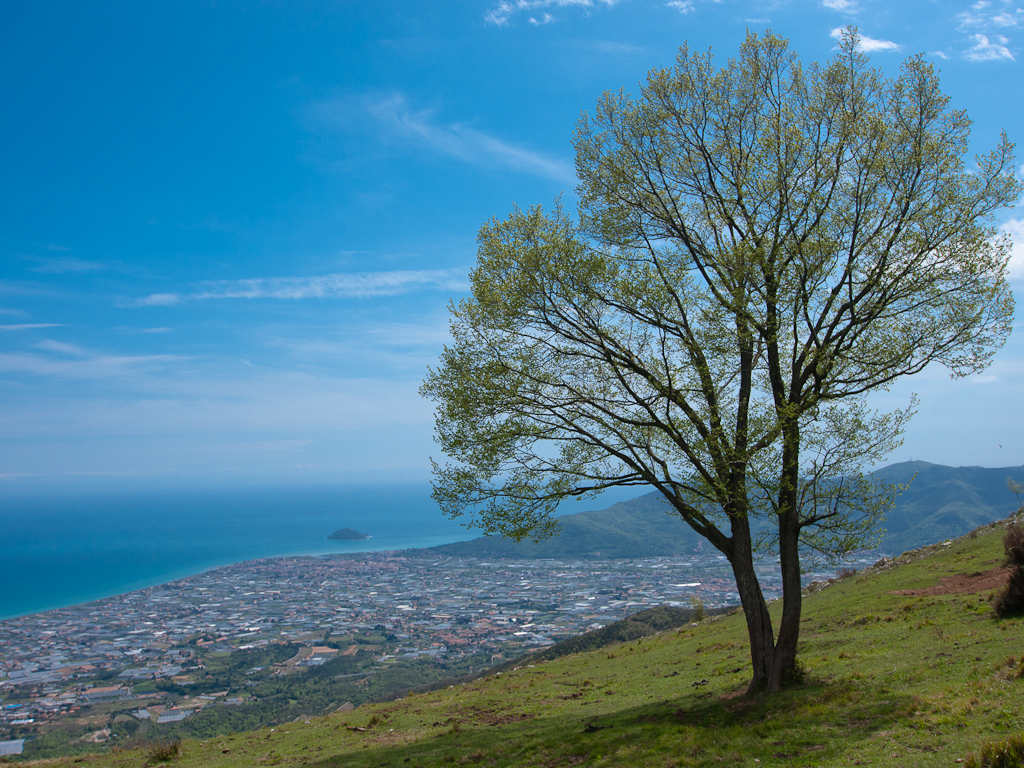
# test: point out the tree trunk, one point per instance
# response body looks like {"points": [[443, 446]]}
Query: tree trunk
{"points": [[789, 629], [759, 622], [789, 561]]}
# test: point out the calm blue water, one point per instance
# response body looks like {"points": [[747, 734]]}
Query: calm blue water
{"points": [[75, 548], [71, 548]]}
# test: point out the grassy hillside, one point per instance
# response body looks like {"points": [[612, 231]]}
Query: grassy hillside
{"points": [[941, 503], [891, 680], [639, 527], [945, 502]]}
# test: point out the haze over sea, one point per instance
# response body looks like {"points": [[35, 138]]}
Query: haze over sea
{"points": [[72, 548]]}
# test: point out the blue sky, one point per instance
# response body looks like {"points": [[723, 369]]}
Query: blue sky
{"points": [[229, 231]]}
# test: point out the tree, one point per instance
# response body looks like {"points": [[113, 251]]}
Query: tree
{"points": [[759, 247]]}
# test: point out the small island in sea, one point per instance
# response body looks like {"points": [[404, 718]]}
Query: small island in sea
{"points": [[348, 534]]}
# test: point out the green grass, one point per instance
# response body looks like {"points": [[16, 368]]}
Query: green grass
{"points": [[891, 681]]}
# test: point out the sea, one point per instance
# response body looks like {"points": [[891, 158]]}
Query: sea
{"points": [[70, 548]]}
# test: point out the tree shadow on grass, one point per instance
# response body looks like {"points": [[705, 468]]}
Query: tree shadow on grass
{"points": [[806, 725]]}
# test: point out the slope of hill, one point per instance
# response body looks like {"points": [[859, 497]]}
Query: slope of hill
{"points": [[941, 502], [904, 664], [640, 527], [945, 502]]}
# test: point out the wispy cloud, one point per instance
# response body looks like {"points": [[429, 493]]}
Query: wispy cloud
{"points": [[866, 44], [683, 6], [61, 264], [466, 143], [157, 300], [503, 12], [983, 16], [1015, 229], [128, 329], [846, 6], [358, 285], [613, 47], [62, 348], [985, 49], [546, 18], [86, 365], [29, 326], [984, 22]]}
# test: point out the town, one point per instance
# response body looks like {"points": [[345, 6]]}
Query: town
{"points": [[61, 663]]}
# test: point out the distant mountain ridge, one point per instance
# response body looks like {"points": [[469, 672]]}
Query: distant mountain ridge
{"points": [[941, 503]]}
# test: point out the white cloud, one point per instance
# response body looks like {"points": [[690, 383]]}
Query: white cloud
{"points": [[158, 300], [1015, 229], [982, 16], [866, 44], [683, 6], [870, 44], [64, 349], [360, 285], [94, 366], [28, 326], [547, 18], [985, 49], [356, 285], [466, 143], [610, 46], [847, 6], [63, 264], [506, 9], [232, 403]]}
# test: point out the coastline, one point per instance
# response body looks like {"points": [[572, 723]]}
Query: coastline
{"points": [[327, 548]]}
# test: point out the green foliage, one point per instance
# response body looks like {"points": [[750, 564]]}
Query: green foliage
{"points": [[758, 248], [1010, 600], [999, 754], [699, 612], [164, 751]]}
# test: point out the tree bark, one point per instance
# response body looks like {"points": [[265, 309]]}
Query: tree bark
{"points": [[789, 560], [755, 610]]}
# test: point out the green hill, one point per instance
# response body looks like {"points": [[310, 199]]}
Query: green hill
{"points": [[904, 665], [640, 527], [945, 502], [941, 503]]}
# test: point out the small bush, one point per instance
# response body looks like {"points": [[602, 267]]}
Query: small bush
{"points": [[1013, 545], [164, 751], [1011, 599], [846, 573], [999, 754], [796, 675], [699, 614]]}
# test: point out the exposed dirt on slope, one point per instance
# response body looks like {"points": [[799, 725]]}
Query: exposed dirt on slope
{"points": [[963, 583]]}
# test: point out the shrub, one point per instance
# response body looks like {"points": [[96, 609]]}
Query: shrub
{"points": [[1011, 599], [796, 675], [999, 754], [697, 605], [1013, 544], [164, 751]]}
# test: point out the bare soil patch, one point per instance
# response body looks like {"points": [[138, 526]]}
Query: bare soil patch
{"points": [[963, 583]]}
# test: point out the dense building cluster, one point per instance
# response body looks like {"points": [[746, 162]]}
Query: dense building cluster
{"points": [[57, 661]]}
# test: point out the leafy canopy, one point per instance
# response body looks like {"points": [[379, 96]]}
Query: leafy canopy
{"points": [[759, 246]]}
